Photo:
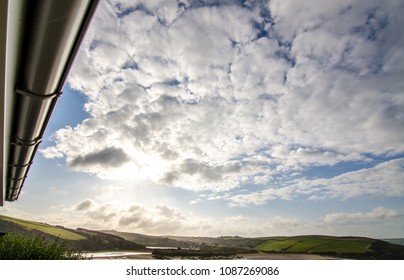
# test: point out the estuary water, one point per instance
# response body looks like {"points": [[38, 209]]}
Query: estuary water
{"points": [[119, 255]]}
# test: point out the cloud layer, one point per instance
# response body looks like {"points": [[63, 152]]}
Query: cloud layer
{"points": [[166, 220], [384, 180], [379, 213], [218, 95]]}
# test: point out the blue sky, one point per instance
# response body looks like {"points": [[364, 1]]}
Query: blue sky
{"points": [[251, 118]]}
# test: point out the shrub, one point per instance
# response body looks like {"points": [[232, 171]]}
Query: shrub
{"points": [[17, 247]]}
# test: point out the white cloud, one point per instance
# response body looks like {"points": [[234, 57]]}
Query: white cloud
{"points": [[159, 219], [379, 213], [51, 152], [292, 157], [262, 197], [58, 191], [213, 97], [108, 192], [383, 180], [279, 222], [164, 219]]}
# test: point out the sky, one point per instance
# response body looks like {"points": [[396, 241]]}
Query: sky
{"points": [[252, 118]]}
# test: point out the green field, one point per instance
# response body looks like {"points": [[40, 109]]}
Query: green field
{"points": [[52, 230], [315, 244]]}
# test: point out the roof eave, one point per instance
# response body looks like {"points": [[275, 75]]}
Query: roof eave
{"points": [[42, 40]]}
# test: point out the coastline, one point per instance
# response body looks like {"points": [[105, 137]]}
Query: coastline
{"points": [[248, 256]]}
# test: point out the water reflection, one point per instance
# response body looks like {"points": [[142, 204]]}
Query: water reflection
{"points": [[119, 255]]}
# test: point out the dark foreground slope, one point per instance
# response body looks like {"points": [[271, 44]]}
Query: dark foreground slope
{"points": [[79, 239]]}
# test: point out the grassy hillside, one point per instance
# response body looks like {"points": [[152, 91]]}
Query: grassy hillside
{"points": [[45, 228], [316, 244], [76, 239], [347, 247]]}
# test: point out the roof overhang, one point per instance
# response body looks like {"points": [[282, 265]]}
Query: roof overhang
{"points": [[39, 40], [3, 36]]}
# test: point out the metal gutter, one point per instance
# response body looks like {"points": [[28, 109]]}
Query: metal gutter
{"points": [[3, 40], [52, 33], [13, 19]]}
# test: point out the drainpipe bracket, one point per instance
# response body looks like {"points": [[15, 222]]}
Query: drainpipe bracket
{"points": [[36, 95]]}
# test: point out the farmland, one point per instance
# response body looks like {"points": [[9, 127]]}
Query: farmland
{"points": [[76, 239], [316, 244], [51, 230]]}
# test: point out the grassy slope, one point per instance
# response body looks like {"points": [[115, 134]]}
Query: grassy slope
{"points": [[76, 239], [317, 244], [52, 230]]}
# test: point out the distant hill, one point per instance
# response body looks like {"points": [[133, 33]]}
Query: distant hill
{"points": [[150, 240], [77, 239], [399, 241], [344, 247], [190, 241], [340, 247], [90, 240]]}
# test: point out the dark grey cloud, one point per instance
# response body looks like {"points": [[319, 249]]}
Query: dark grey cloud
{"points": [[160, 218], [171, 177], [130, 219], [134, 215], [167, 153], [109, 157], [84, 205], [104, 213], [208, 171], [205, 171]]}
